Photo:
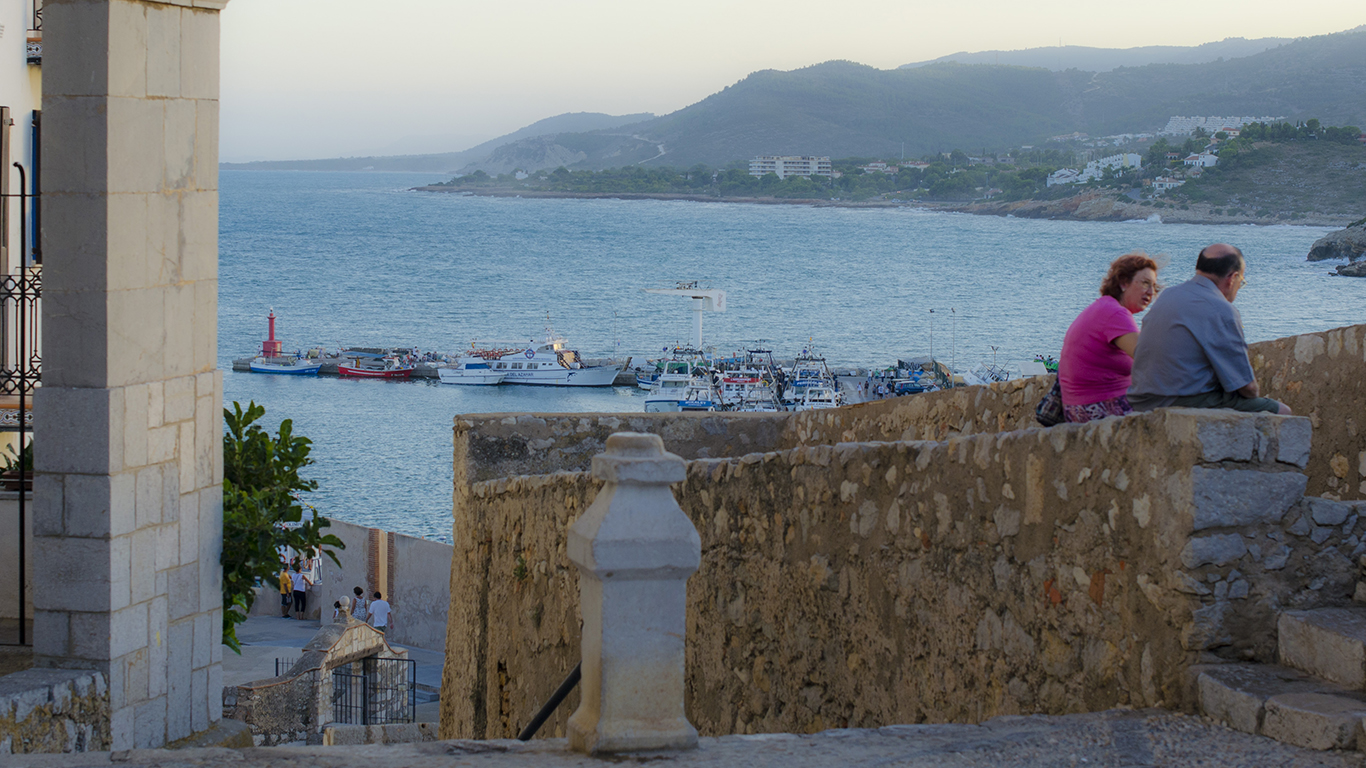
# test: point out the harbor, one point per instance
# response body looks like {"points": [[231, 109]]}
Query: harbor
{"points": [[684, 378]]}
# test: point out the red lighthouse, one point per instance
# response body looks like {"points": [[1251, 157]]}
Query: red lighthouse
{"points": [[270, 347]]}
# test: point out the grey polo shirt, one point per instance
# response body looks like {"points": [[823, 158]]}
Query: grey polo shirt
{"points": [[1191, 343]]}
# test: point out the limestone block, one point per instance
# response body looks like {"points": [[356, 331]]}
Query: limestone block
{"points": [[1236, 694], [86, 424], [199, 64], [179, 342], [136, 136], [1313, 720], [1216, 549], [81, 566], [206, 148], [1327, 511], [1225, 498], [126, 224], [1327, 642], [99, 506], [137, 358], [1227, 436], [1293, 440], [634, 549], [163, 50]]}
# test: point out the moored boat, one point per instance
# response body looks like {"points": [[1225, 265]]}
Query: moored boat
{"points": [[289, 366], [469, 370], [549, 364], [390, 368]]}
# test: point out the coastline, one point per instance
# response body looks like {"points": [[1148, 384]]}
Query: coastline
{"points": [[1091, 205]]}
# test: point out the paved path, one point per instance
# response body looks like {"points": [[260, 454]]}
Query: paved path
{"points": [[1115, 739], [266, 638]]}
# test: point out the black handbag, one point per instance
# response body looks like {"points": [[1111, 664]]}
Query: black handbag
{"points": [[1049, 410]]}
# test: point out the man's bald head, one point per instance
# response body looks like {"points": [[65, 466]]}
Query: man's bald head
{"points": [[1219, 260]]}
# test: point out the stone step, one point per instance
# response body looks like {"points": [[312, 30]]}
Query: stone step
{"points": [[1283, 704], [1325, 642]]}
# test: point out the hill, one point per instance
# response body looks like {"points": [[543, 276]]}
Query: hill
{"points": [[451, 162], [1060, 58], [843, 109]]}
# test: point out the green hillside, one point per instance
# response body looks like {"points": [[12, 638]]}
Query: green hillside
{"points": [[842, 109]]}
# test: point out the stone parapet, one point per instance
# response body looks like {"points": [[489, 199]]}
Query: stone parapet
{"points": [[53, 710], [1323, 376], [855, 584]]}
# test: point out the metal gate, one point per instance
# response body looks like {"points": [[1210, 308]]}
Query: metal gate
{"points": [[375, 691]]}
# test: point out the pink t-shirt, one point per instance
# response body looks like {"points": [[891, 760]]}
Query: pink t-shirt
{"points": [[1091, 368]]}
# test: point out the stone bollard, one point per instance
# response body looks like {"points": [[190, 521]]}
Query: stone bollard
{"points": [[635, 550], [345, 616]]}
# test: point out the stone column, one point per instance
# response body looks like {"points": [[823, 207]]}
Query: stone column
{"points": [[635, 549], [128, 503]]}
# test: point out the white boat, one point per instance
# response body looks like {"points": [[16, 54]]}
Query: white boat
{"points": [[669, 387], [289, 366], [469, 370], [693, 393], [818, 397], [808, 371], [549, 364]]}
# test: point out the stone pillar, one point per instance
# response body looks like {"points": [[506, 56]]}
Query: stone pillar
{"points": [[635, 549], [128, 503]]}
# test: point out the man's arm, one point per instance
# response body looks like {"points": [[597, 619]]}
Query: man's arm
{"points": [[1251, 390]]}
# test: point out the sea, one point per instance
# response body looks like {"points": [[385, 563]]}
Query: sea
{"points": [[360, 259]]}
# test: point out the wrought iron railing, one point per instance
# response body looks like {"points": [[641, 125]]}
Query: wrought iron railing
{"points": [[384, 692], [35, 34], [20, 373]]}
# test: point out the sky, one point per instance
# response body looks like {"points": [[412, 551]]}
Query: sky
{"points": [[337, 78]]}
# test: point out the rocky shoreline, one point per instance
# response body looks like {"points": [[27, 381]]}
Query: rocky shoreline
{"points": [[1087, 206]]}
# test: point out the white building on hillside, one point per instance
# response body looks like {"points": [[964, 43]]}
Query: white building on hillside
{"points": [[21, 95], [1180, 125], [1164, 183], [1202, 160], [790, 165]]}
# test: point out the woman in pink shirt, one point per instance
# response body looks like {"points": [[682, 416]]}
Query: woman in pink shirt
{"points": [[1098, 350]]}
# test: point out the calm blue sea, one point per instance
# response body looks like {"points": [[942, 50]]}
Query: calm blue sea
{"points": [[357, 259]]}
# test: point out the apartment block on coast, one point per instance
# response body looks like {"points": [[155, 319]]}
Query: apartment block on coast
{"points": [[790, 165]]}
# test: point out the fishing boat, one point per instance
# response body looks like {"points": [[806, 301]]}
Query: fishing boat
{"points": [[645, 379], [289, 366], [669, 386], [548, 363], [470, 370], [808, 371], [701, 395], [818, 397], [386, 368]]}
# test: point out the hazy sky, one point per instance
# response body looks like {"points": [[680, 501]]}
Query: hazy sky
{"points": [[329, 78]]}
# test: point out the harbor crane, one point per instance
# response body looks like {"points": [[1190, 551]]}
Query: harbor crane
{"points": [[703, 300]]}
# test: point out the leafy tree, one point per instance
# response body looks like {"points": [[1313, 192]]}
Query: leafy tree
{"points": [[261, 510], [958, 158]]}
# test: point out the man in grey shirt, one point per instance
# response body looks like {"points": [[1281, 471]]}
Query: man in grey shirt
{"points": [[1191, 352]]}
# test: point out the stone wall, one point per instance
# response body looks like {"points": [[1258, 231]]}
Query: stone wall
{"points": [[293, 708], [416, 583], [860, 584], [1320, 375], [53, 710], [1323, 376]]}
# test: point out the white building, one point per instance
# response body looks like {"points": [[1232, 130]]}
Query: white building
{"points": [[790, 165], [1063, 176], [1202, 160], [1180, 125], [1164, 183], [877, 168], [21, 95]]}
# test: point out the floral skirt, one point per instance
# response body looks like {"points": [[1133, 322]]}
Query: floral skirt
{"points": [[1077, 414]]}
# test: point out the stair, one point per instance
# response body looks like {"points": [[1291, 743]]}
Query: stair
{"points": [[1316, 700]]}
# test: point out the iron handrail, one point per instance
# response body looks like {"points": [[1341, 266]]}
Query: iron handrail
{"points": [[553, 704]]}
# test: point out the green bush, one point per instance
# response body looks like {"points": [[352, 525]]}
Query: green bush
{"points": [[262, 512]]}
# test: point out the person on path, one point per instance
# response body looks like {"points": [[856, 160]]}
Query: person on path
{"points": [[379, 612], [301, 583], [358, 605], [1192, 353], [286, 598]]}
